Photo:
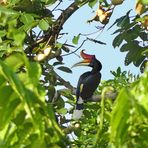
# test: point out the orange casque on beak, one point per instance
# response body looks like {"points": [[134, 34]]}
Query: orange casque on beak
{"points": [[86, 56], [87, 59]]}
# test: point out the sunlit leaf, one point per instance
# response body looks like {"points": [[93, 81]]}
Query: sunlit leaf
{"points": [[76, 39], [62, 111], [2, 33], [8, 103], [43, 24], [119, 118], [92, 3], [15, 61], [145, 2], [27, 18]]}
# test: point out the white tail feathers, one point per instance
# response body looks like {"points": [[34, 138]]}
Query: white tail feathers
{"points": [[77, 114]]}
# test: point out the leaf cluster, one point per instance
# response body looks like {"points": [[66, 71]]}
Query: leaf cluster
{"points": [[119, 123], [34, 110], [25, 117], [131, 38]]}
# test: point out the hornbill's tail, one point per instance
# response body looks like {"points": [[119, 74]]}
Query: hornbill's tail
{"points": [[78, 111]]}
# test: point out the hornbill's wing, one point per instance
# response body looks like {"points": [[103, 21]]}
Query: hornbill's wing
{"points": [[87, 84], [81, 82], [90, 84]]}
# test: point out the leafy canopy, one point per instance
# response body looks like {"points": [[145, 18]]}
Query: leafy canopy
{"points": [[32, 107]]}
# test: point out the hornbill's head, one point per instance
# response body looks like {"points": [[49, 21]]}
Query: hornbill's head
{"points": [[89, 60]]}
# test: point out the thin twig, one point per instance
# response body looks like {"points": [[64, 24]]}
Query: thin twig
{"points": [[96, 41], [83, 34], [101, 30], [57, 5], [76, 49], [38, 35]]}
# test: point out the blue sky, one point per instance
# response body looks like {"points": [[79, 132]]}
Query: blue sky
{"points": [[110, 58]]}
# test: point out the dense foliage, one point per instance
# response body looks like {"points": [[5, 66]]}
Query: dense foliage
{"points": [[32, 109]]}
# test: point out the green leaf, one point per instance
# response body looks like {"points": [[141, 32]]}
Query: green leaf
{"points": [[119, 118], [15, 61], [60, 103], [132, 34], [143, 66], [20, 117], [2, 81], [27, 18], [135, 56], [117, 21], [27, 27], [126, 47], [129, 46], [124, 22], [118, 71], [17, 35], [47, 2], [65, 48], [117, 31], [8, 11], [143, 36], [65, 69], [117, 40], [13, 79], [76, 39], [113, 73], [51, 77], [87, 114], [34, 72], [19, 38], [62, 111], [138, 61], [4, 96], [92, 3], [43, 24], [51, 92], [59, 45], [2, 33], [144, 2], [18, 87], [8, 103], [57, 63]]}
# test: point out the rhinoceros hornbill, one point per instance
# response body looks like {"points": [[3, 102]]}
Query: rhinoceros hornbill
{"points": [[88, 82]]}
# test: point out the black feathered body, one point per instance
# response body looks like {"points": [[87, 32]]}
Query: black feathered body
{"points": [[87, 84]]}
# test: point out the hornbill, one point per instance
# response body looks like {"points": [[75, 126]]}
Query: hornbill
{"points": [[88, 82]]}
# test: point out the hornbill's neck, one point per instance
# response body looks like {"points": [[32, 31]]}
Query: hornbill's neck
{"points": [[96, 67]]}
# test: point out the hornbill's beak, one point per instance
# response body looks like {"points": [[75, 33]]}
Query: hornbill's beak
{"points": [[87, 59]]}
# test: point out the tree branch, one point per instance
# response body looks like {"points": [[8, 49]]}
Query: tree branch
{"points": [[57, 27], [51, 35], [109, 95]]}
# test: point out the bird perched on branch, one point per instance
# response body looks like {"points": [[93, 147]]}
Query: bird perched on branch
{"points": [[88, 82]]}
